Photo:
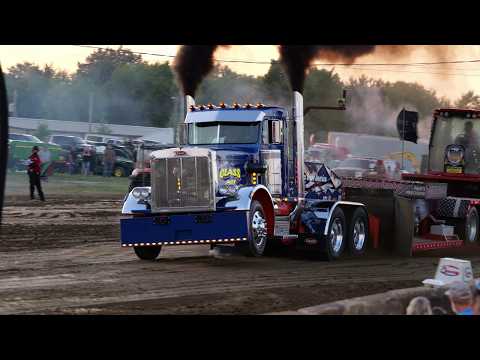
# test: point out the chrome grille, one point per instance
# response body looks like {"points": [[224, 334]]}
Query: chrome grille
{"points": [[182, 184]]}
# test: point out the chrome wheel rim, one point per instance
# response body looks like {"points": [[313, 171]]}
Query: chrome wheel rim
{"points": [[259, 226], [359, 234], [472, 227], [336, 235]]}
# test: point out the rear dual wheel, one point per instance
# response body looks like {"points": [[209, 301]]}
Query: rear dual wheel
{"points": [[339, 236], [469, 229]]}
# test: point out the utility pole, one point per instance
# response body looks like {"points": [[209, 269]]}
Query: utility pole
{"points": [[15, 97], [90, 112]]}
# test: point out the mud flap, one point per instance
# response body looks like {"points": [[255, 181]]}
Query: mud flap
{"points": [[404, 226]]}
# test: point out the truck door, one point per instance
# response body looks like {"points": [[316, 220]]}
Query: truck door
{"points": [[272, 154]]}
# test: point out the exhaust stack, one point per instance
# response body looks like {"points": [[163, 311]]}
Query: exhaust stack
{"points": [[180, 131], [189, 101], [297, 112]]}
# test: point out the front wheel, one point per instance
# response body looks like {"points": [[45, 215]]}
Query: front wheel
{"points": [[147, 253], [358, 232], [257, 237], [119, 171]]}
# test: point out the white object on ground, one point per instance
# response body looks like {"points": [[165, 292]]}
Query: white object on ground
{"points": [[450, 270]]}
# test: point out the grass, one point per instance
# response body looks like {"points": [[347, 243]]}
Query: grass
{"points": [[17, 183]]}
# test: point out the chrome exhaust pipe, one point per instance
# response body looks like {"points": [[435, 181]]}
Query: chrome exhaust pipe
{"points": [[189, 101], [297, 112]]}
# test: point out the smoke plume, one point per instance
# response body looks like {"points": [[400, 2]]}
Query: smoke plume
{"points": [[297, 58], [192, 63], [3, 138]]}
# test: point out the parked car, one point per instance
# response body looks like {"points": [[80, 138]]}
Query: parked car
{"points": [[23, 137], [124, 164], [20, 150], [67, 142], [361, 167], [327, 154], [99, 138]]}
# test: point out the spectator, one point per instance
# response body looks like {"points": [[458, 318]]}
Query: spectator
{"points": [[34, 174], [45, 158], [419, 306], [476, 302], [461, 298], [86, 160], [93, 159], [109, 159], [71, 160]]}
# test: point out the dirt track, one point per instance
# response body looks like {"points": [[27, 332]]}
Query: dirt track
{"points": [[64, 258]]}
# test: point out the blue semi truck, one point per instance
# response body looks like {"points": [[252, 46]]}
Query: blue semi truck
{"points": [[240, 178]]}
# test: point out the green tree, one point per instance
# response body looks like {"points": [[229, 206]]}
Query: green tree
{"points": [[468, 101], [42, 132], [275, 85], [100, 65]]}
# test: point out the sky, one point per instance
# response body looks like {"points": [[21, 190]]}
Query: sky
{"points": [[450, 81]]}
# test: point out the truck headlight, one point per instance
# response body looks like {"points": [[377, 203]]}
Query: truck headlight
{"points": [[141, 193], [228, 190]]}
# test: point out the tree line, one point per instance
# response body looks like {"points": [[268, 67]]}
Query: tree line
{"points": [[125, 89]]}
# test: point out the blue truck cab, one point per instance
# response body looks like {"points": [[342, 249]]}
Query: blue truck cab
{"points": [[234, 181]]}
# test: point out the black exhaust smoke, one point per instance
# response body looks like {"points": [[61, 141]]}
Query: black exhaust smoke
{"points": [[3, 139], [192, 63], [297, 58]]}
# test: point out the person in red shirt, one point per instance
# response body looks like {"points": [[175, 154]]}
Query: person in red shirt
{"points": [[34, 174]]}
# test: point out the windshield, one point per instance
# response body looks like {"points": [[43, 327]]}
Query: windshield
{"points": [[460, 131], [223, 133]]}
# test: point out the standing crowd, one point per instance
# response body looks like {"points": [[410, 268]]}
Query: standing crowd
{"points": [[464, 300]]}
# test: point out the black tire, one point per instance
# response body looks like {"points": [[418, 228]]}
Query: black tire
{"points": [[337, 225], [358, 226], [119, 171], [147, 253], [469, 228], [257, 231]]}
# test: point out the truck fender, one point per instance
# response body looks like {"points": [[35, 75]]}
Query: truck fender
{"points": [[244, 199], [131, 205], [347, 206]]}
